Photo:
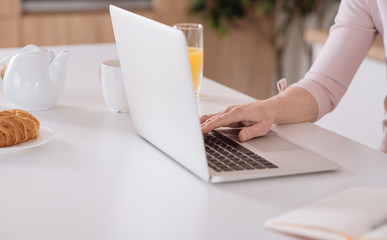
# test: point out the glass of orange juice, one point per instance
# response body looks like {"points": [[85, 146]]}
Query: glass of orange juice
{"points": [[194, 35]]}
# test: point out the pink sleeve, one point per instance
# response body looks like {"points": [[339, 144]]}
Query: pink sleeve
{"points": [[348, 43]]}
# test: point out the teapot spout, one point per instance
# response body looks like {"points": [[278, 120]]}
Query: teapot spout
{"points": [[57, 69]]}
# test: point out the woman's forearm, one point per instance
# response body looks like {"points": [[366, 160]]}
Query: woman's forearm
{"points": [[293, 105]]}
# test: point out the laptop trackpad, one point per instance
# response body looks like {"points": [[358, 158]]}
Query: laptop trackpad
{"points": [[271, 143], [267, 143]]}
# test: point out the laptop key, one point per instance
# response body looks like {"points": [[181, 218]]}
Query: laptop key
{"points": [[246, 166], [225, 168], [236, 167], [271, 166]]}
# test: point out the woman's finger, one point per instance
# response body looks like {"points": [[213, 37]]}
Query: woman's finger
{"points": [[231, 117], [256, 130]]}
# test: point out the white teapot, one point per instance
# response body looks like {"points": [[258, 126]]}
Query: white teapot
{"points": [[34, 78]]}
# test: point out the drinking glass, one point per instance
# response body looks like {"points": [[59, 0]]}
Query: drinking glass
{"points": [[194, 34]]}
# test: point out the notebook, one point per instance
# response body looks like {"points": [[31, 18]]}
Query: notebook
{"points": [[163, 107], [354, 213]]}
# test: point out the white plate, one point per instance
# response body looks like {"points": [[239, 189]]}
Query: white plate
{"points": [[44, 136]]}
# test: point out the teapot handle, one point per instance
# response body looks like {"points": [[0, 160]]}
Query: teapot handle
{"points": [[2, 61]]}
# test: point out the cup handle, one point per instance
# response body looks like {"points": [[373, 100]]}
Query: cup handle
{"points": [[2, 62]]}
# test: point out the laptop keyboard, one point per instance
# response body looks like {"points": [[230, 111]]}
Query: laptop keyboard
{"points": [[224, 155]]}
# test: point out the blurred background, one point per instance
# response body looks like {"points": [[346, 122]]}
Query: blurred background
{"points": [[248, 44]]}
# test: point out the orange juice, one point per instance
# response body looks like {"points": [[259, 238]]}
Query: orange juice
{"points": [[196, 61]]}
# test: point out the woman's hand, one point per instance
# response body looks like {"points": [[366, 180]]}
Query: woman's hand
{"points": [[256, 118], [290, 106]]}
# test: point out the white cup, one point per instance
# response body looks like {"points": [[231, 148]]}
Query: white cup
{"points": [[113, 86]]}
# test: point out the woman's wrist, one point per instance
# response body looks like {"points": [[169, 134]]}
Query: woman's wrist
{"points": [[273, 105], [293, 105]]}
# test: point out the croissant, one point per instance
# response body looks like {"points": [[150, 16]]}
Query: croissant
{"points": [[17, 126], [2, 70]]}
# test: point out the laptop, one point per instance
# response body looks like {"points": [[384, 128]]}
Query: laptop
{"points": [[163, 107]]}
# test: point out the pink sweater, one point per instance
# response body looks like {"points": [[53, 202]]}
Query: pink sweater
{"points": [[356, 26]]}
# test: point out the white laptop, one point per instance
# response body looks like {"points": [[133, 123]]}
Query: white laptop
{"points": [[163, 108]]}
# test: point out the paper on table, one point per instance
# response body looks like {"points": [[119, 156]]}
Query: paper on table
{"points": [[355, 213], [377, 233]]}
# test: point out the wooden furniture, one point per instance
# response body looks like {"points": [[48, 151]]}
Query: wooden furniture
{"points": [[98, 179], [19, 29], [244, 59], [10, 11]]}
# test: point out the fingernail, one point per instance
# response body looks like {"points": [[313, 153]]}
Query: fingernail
{"points": [[243, 136]]}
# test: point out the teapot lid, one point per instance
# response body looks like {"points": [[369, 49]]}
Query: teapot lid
{"points": [[32, 49]]}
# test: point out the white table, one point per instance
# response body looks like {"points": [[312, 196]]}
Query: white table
{"points": [[99, 180]]}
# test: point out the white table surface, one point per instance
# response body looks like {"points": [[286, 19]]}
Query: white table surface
{"points": [[97, 179]]}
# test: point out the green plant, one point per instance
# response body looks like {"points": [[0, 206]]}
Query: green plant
{"points": [[223, 14], [220, 13]]}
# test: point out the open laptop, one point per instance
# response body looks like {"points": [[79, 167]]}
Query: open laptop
{"points": [[163, 107]]}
